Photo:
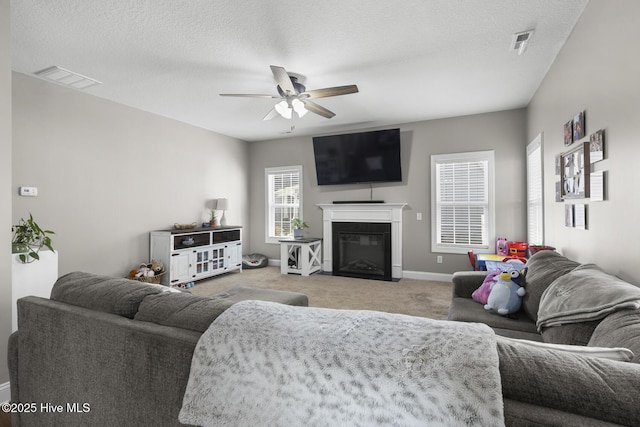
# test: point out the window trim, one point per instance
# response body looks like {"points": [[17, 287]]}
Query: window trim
{"points": [[486, 155], [268, 213], [534, 145]]}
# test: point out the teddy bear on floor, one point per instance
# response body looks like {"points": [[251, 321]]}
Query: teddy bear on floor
{"points": [[506, 294]]}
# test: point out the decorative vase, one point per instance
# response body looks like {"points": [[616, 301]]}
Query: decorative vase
{"points": [[19, 248], [298, 233]]}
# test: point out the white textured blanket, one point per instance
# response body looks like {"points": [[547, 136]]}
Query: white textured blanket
{"points": [[267, 364]]}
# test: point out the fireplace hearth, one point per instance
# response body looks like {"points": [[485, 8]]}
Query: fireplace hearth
{"points": [[362, 250]]}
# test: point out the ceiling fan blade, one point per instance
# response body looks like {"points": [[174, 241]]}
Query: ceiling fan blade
{"points": [[271, 114], [331, 91], [283, 79], [318, 109], [250, 95]]}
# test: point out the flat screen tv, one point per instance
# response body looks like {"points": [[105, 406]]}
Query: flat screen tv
{"points": [[363, 157]]}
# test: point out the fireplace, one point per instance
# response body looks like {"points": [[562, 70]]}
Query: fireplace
{"points": [[385, 214], [362, 249]]}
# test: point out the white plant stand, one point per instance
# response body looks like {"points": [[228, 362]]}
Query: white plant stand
{"points": [[36, 278], [301, 256]]}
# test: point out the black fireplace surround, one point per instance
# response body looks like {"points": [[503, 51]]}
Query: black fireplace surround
{"points": [[362, 249]]}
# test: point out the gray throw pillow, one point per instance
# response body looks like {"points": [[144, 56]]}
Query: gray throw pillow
{"points": [[619, 329], [570, 333], [542, 269]]}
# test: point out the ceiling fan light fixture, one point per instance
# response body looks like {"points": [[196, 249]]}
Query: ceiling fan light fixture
{"points": [[283, 109], [298, 107]]}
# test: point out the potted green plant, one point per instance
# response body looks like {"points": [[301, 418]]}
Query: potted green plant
{"points": [[298, 228], [29, 238], [214, 218]]}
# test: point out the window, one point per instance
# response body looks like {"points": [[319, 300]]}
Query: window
{"points": [[462, 202], [535, 206], [283, 201]]}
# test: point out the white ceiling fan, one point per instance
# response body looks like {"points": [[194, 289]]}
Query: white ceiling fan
{"points": [[295, 96]]}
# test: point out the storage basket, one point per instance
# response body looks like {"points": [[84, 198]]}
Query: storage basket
{"points": [[149, 279]]}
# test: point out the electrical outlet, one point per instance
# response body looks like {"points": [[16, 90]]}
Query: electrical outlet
{"points": [[419, 216], [439, 259]]}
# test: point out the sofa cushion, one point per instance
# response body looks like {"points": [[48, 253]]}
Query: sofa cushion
{"points": [[589, 386], [183, 310], [620, 329], [196, 313], [104, 293], [467, 310], [570, 333], [542, 269], [243, 293]]}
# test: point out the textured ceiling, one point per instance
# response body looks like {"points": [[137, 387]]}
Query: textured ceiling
{"points": [[412, 60]]}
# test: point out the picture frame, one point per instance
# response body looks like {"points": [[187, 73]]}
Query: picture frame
{"points": [[597, 182], [579, 126], [596, 146], [574, 172], [568, 216], [568, 133]]}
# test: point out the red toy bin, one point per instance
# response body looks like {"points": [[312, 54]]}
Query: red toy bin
{"points": [[518, 249], [537, 248]]}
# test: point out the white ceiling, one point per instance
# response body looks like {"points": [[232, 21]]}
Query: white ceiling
{"points": [[412, 60]]}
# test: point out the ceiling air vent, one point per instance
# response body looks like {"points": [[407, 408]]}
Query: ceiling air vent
{"points": [[67, 78], [520, 41]]}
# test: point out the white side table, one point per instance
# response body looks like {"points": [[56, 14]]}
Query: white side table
{"points": [[301, 256]]}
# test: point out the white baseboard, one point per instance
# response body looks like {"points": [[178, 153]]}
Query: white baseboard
{"points": [[425, 275], [406, 274], [5, 392]]}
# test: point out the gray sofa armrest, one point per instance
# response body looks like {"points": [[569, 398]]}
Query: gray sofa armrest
{"points": [[131, 373], [602, 389], [465, 282]]}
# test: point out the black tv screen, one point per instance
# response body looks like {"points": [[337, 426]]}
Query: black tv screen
{"points": [[358, 157]]}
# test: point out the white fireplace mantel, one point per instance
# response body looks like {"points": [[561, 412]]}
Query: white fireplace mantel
{"points": [[364, 212]]}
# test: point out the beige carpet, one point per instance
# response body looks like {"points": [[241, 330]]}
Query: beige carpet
{"points": [[415, 297]]}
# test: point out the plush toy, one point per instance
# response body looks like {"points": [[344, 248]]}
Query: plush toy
{"points": [[506, 294], [157, 267], [144, 271], [481, 294]]}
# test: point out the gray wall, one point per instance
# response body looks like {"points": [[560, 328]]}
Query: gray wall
{"points": [[504, 132], [5, 184], [598, 70], [108, 174]]}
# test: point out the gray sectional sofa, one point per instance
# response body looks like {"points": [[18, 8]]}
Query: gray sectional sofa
{"points": [[607, 325], [114, 352], [613, 321], [111, 351]]}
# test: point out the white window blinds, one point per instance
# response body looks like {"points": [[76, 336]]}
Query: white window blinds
{"points": [[283, 201], [462, 201], [535, 196]]}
